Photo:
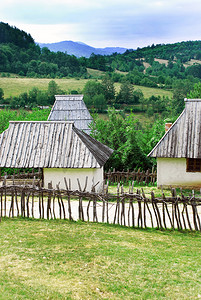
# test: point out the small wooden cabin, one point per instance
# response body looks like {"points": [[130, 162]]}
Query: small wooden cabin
{"points": [[58, 148], [178, 153], [71, 108]]}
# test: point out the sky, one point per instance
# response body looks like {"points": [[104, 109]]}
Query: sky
{"points": [[106, 23]]}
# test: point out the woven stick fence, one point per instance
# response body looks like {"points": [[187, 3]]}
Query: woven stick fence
{"points": [[19, 174], [124, 208], [124, 177]]}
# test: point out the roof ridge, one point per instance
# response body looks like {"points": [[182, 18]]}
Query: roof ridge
{"points": [[95, 146], [192, 100]]}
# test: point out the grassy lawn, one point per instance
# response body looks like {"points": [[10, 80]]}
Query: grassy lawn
{"points": [[63, 260], [15, 86], [153, 188]]}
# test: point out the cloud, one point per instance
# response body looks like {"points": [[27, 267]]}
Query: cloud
{"points": [[130, 22]]}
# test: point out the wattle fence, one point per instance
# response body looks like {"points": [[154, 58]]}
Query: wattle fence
{"points": [[24, 176], [128, 208], [124, 177]]}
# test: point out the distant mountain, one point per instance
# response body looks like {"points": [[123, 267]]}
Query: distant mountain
{"points": [[80, 49]]}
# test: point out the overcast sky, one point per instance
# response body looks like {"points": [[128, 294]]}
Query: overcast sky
{"points": [[102, 23]]}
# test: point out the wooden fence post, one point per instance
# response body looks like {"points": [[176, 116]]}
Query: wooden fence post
{"points": [[49, 199], [68, 195]]}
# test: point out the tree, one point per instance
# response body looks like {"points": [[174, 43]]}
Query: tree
{"points": [[33, 66], [120, 134], [53, 89], [93, 95], [92, 88], [180, 90], [99, 102], [157, 103], [23, 99], [42, 98], [194, 70], [33, 95], [133, 157], [198, 55], [43, 68], [1, 95], [137, 96], [196, 92], [108, 89], [98, 62], [125, 94]]}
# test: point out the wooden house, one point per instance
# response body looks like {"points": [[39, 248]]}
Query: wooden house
{"points": [[59, 148], [71, 108], [178, 153]]}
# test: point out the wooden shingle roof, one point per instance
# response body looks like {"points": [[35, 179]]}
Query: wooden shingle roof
{"points": [[71, 108], [34, 144], [183, 139]]}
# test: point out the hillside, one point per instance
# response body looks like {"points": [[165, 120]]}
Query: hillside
{"points": [[80, 49], [20, 55], [20, 38], [16, 86], [179, 53], [173, 67], [152, 66]]}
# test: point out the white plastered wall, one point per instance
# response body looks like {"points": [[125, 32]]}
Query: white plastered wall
{"points": [[172, 172], [56, 175]]}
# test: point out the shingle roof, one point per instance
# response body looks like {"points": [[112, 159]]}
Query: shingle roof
{"points": [[50, 145], [183, 139], [71, 108]]}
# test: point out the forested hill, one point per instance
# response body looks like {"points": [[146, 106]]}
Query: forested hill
{"points": [[20, 55], [20, 38], [152, 66], [181, 53]]}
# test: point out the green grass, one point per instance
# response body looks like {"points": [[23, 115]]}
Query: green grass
{"points": [[16, 86], [152, 188], [61, 260], [95, 73], [148, 92]]}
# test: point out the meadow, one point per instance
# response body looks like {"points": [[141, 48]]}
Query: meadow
{"points": [[58, 259], [14, 86]]}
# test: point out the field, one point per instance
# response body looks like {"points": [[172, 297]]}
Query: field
{"points": [[148, 92], [16, 86], [43, 259], [95, 73]]}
